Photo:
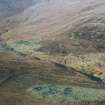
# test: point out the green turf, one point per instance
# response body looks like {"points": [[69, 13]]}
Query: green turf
{"points": [[57, 93]]}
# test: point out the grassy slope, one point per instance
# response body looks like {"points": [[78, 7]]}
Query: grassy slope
{"points": [[48, 28], [65, 24], [24, 73], [92, 63]]}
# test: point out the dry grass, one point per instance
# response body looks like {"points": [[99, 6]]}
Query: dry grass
{"points": [[93, 63]]}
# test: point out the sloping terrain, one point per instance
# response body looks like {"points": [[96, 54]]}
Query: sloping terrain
{"points": [[91, 64], [71, 25], [52, 52], [19, 75], [10, 8]]}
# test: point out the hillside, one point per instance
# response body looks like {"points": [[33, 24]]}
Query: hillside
{"points": [[71, 25], [23, 77], [52, 52]]}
